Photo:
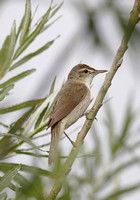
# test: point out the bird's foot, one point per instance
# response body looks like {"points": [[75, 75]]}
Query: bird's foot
{"points": [[87, 116]]}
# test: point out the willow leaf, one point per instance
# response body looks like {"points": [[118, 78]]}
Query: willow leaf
{"points": [[18, 125], [25, 168], [31, 55], [3, 54], [33, 35], [7, 51], [55, 10], [47, 26], [21, 106], [123, 191], [30, 154], [3, 196], [26, 22], [39, 110], [17, 78], [8, 177], [124, 166], [41, 116], [5, 91], [19, 28], [52, 86], [22, 138], [50, 108]]}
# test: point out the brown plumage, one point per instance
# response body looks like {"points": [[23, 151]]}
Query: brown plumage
{"points": [[65, 104], [71, 103]]}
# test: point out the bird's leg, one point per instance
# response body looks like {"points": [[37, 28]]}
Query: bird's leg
{"points": [[86, 114], [73, 143]]}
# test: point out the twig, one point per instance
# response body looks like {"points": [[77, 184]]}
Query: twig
{"points": [[133, 20]]}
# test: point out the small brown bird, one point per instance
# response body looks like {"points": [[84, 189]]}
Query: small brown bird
{"points": [[71, 103]]}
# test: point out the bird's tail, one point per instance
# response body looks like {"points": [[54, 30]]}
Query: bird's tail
{"points": [[56, 132]]}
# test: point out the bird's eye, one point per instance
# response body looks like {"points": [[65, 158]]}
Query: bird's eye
{"points": [[85, 71]]}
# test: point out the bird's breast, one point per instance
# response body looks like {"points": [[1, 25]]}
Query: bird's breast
{"points": [[77, 112]]}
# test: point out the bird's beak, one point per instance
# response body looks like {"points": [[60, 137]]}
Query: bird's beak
{"points": [[99, 71]]}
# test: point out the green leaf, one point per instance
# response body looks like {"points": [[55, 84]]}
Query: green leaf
{"points": [[33, 35], [40, 118], [7, 51], [4, 125], [8, 177], [3, 54], [39, 110], [47, 26], [19, 123], [31, 55], [19, 28], [128, 120], [52, 86], [31, 154], [110, 125], [123, 191], [57, 8], [17, 78], [124, 166], [5, 91], [21, 106], [25, 168], [22, 139], [3, 196], [50, 108], [26, 22], [97, 150]]}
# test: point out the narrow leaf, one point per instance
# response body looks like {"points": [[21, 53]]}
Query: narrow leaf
{"points": [[21, 106], [50, 108], [47, 26], [40, 118], [3, 54], [33, 35], [39, 110], [17, 78], [7, 51], [18, 125], [30, 154], [19, 28], [25, 168], [31, 55], [52, 86], [3, 196], [26, 22], [123, 191], [12, 41], [5, 91], [124, 166], [57, 8], [8, 177], [22, 138]]}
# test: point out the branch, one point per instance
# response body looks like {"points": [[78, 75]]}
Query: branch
{"points": [[65, 169]]}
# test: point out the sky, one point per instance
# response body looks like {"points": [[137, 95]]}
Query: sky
{"points": [[70, 49]]}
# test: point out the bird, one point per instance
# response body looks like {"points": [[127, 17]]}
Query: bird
{"points": [[71, 103]]}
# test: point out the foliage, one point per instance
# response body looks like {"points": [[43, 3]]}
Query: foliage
{"points": [[35, 114], [19, 138]]}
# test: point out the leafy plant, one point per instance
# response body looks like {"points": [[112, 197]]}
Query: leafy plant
{"points": [[34, 118], [100, 177]]}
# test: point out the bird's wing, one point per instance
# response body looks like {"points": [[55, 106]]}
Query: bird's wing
{"points": [[67, 100]]}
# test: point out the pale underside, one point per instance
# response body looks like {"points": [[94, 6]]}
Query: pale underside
{"points": [[69, 104]]}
